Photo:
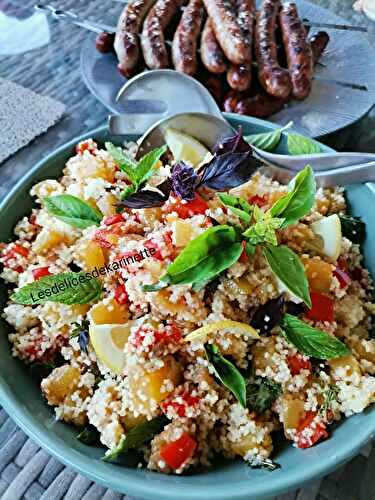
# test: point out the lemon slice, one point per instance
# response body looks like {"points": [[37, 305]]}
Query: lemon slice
{"points": [[226, 324], [185, 148], [108, 342]]}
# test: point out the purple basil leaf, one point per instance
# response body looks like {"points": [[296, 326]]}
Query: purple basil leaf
{"points": [[268, 315], [147, 198], [232, 144], [228, 171], [184, 179]]}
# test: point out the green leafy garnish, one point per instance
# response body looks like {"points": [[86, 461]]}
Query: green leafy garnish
{"points": [[138, 172], [267, 141], [239, 206], [136, 437], [289, 270], [264, 229], [204, 258], [89, 436], [261, 394], [353, 228], [63, 288], [301, 145], [227, 373], [330, 395], [299, 200], [312, 341], [72, 210]]}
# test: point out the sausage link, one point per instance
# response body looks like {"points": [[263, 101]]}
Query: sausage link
{"points": [[298, 51], [152, 39], [227, 30], [126, 40], [274, 79], [185, 40], [239, 75], [212, 55], [104, 42], [318, 44]]}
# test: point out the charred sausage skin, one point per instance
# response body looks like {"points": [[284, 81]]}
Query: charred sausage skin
{"points": [[298, 51], [274, 79], [185, 40], [212, 55]]}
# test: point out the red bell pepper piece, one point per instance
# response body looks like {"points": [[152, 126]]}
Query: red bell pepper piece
{"points": [[342, 277], [113, 219], [180, 406], [121, 295], [178, 452], [39, 272], [258, 200], [297, 363], [190, 208], [310, 432], [322, 308]]}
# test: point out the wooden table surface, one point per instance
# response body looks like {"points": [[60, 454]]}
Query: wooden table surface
{"points": [[53, 70]]}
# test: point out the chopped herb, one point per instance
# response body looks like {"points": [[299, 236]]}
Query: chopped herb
{"points": [[81, 331], [264, 229], [89, 436], [136, 437], [330, 395], [239, 206], [261, 393], [353, 228], [227, 373]]}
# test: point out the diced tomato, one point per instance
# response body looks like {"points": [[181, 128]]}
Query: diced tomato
{"points": [[309, 431], [10, 253], [176, 453], [258, 200], [342, 277], [100, 237], [88, 145], [170, 335], [20, 250], [149, 244], [322, 308], [243, 257], [297, 363], [190, 208], [121, 295], [39, 272], [180, 403], [113, 219]]}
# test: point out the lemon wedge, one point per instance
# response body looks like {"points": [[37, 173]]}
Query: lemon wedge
{"points": [[329, 228], [185, 148], [108, 342], [226, 324]]}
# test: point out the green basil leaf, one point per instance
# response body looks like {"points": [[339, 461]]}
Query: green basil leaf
{"points": [[61, 289], [227, 373], [299, 199], [126, 163], [146, 165], [241, 214], [206, 256], [312, 341], [136, 437], [301, 145], [353, 228], [89, 436], [72, 210], [267, 141], [239, 206], [289, 269], [261, 394]]}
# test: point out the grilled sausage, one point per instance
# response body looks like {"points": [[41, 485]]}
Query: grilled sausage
{"points": [[239, 75], [227, 30], [185, 40], [263, 105], [298, 51], [104, 42], [318, 44], [212, 55], [274, 79], [126, 40], [152, 39]]}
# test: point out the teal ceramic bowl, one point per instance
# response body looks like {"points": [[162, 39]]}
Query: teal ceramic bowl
{"points": [[234, 480]]}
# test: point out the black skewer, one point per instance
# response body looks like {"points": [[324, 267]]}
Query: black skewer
{"points": [[346, 27]]}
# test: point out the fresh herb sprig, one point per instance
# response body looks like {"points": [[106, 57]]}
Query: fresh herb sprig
{"points": [[72, 210], [137, 172], [267, 141], [81, 331], [261, 393]]}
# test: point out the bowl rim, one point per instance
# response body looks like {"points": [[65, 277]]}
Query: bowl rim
{"points": [[134, 485]]}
